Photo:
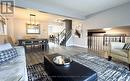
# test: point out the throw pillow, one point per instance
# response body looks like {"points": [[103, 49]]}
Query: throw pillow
{"points": [[5, 46], [8, 54], [126, 46]]}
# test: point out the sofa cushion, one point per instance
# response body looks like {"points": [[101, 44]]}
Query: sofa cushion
{"points": [[8, 54], [120, 52], [15, 69], [118, 45]]}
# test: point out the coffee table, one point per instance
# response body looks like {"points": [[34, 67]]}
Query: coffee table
{"points": [[73, 72]]}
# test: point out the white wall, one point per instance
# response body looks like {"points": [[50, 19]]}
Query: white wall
{"points": [[17, 28], [10, 25], [120, 30], [118, 16], [75, 40], [82, 41]]}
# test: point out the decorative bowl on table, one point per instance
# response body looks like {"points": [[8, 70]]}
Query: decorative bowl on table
{"points": [[62, 60]]}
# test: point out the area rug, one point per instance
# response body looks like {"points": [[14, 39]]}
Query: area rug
{"points": [[37, 73], [106, 70]]}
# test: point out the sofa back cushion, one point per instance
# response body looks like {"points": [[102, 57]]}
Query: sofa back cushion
{"points": [[7, 55], [119, 45]]}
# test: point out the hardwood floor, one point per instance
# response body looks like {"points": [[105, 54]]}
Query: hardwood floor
{"points": [[36, 56]]}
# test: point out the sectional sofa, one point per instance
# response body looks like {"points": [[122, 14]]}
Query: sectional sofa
{"points": [[14, 69]]}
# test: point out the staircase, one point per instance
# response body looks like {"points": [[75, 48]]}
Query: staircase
{"points": [[64, 36]]}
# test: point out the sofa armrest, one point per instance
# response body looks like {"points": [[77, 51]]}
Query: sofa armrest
{"points": [[114, 45], [20, 50]]}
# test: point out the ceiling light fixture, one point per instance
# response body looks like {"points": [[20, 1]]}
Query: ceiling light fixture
{"points": [[32, 19], [32, 23]]}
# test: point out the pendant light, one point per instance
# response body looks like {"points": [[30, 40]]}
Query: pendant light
{"points": [[33, 20]]}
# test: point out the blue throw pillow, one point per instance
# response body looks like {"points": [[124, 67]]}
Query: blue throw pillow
{"points": [[8, 54]]}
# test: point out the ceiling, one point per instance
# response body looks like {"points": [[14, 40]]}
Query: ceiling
{"points": [[24, 14], [71, 8]]}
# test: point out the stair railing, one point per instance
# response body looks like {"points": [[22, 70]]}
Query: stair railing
{"points": [[61, 35], [64, 36], [68, 34]]}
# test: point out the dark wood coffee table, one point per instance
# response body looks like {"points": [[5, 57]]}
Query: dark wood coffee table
{"points": [[74, 72]]}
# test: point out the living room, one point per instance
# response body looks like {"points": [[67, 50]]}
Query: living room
{"points": [[62, 41]]}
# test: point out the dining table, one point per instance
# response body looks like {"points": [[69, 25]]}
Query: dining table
{"points": [[44, 41]]}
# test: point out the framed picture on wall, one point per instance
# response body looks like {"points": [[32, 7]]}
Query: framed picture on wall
{"points": [[33, 29]]}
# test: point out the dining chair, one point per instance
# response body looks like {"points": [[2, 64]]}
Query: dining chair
{"points": [[45, 45], [28, 44], [37, 44]]}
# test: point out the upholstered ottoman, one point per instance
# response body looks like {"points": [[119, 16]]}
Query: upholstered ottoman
{"points": [[74, 72]]}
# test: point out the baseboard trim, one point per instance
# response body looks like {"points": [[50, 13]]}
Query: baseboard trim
{"points": [[78, 45]]}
